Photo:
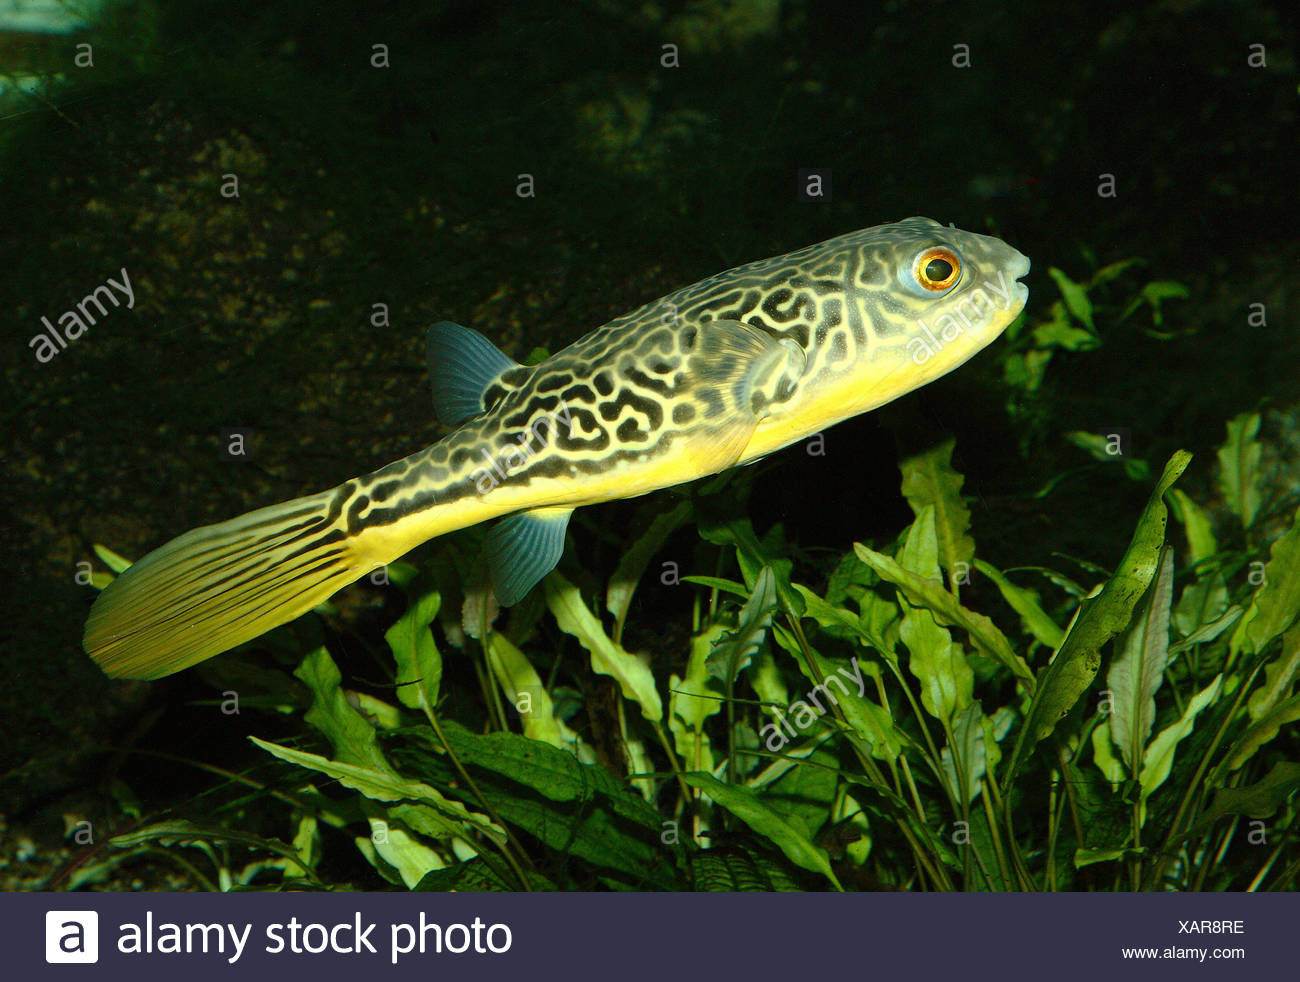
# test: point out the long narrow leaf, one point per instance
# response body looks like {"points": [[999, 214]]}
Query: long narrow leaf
{"points": [[573, 616], [418, 661], [523, 687], [931, 595], [1279, 674], [733, 651], [1137, 673], [1239, 477], [379, 785], [1276, 603], [929, 479], [1098, 619], [747, 807], [1158, 760], [1025, 603]]}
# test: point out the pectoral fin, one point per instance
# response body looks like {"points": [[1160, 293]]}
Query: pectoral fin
{"points": [[747, 369], [721, 447], [524, 547]]}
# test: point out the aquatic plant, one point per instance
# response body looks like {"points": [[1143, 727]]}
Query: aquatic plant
{"points": [[919, 720]]}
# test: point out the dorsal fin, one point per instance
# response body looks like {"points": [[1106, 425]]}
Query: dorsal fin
{"points": [[463, 365]]}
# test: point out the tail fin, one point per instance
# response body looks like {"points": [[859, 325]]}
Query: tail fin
{"points": [[217, 586]]}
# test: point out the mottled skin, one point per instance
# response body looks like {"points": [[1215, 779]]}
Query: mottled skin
{"points": [[712, 375]]}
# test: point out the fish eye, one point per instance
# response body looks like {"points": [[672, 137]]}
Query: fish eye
{"points": [[937, 269]]}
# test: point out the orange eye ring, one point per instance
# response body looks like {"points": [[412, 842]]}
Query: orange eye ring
{"points": [[937, 269]]}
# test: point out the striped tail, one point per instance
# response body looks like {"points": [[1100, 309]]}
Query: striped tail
{"points": [[220, 585]]}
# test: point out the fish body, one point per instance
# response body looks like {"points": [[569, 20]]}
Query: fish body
{"points": [[713, 375]]}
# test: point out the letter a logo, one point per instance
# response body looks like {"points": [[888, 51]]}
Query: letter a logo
{"points": [[71, 936]]}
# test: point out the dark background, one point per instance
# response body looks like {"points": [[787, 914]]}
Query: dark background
{"points": [[363, 185]]}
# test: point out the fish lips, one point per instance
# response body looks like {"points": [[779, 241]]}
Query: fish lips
{"points": [[1017, 269]]}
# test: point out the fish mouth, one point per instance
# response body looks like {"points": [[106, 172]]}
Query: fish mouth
{"points": [[1019, 267]]}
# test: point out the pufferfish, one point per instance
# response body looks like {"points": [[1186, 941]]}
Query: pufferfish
{"points": [[711, 376]]}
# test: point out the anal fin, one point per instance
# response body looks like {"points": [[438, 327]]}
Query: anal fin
{"points": [[524, 547]]}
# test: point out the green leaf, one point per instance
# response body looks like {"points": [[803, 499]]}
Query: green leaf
{"points": [[579, 809], [476, 876], [732, 651], [939, 664], [1025, 603], [869, 721], [1279, 674], [850, 580], [1262, 731], [555, 774], [804, 793], [607, 658], [1239, 477], [418, 662], [964, 760], [524, 688], [352, 737], [1106, 448], [1200, 537], [747, 807], [1103, 755], [179, 831], [731, 871], [118, 564], [692, 700], [383, 715], [632, 564], [734, 587], [836, 621], [361, 766], [1098, 619], [931, 595], [1135, 676], [929, 479], [1276, 604], [1026, 371], [387, 785], [391, 847], [306, 846], [1060, 333], [752, 556], [1158, 760], [1153, 294], [919, 552], [1208, 632], [1259, 800], [1087, 857], [1075, 297], [1201, 604], [1113, 271]]}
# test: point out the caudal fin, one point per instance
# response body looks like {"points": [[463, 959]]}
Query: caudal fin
{"points": [[217, 586]]}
